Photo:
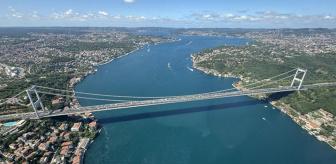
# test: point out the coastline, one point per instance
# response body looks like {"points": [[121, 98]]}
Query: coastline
{"points": [[284, 108], [95, 67], [77, 80], [113, 58], [212, 71], [75, 102]]}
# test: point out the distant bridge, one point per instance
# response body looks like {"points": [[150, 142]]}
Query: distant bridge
{"points": [[124, 102]]}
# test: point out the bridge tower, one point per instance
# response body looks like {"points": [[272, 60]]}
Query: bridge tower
{"points": [[299, 77], [35, 104]]}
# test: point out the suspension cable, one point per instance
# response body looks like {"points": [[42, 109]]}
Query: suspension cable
{"points": [[5, 100], [256, 81], [272, 82], [158, 97], [271, 77], [105, 95], [80, 97], [19, 94]]}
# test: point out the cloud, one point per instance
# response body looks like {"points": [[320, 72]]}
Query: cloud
{"points": [[68, 12], [129, 1], [328, 17], [69, 15], [35, 15], [263, 19], [14, 13], [104, 13]]}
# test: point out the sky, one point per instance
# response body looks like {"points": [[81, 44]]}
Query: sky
{"points": [[170, 13]]}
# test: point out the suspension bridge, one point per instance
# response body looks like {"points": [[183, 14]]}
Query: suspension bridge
{"points": [[295, 78]]}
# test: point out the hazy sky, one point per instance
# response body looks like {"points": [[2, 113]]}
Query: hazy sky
{"points": [[170, 13]]}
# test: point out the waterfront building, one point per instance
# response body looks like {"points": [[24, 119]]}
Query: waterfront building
{"points": [[93, 125], [76, 127]]}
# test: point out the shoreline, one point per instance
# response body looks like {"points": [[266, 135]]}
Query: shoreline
{"points": [[75, 103], [113, 58], [284, 108], [95, 67], [72, 85], [212, 71], [89, 72]]}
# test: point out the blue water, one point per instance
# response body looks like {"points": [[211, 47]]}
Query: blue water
{"points": [[9, 124], [230, 130]]}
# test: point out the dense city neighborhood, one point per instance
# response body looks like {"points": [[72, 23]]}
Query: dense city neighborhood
{"points": [[49, 141], [61, 58]]}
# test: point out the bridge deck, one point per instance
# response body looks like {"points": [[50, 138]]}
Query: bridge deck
{"points": [[170, 100]]}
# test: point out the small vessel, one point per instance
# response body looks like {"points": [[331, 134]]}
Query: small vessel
{"points": [[190, 69], [148, 49], [264, 118], [169, 66], [265, 106], [188, 43]]}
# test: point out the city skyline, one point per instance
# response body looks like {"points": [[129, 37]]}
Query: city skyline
{"points": [[150, 13]]}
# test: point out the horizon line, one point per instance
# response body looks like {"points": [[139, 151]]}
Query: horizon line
{"points": [[251, 28]]}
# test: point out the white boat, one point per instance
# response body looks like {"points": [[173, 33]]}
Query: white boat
{"points": [[169, 66], [190, 69], [148, 49], [264, 118], [188, 43]]}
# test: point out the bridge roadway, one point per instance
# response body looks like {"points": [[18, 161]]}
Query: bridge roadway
{"points": [[152, 102]]}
